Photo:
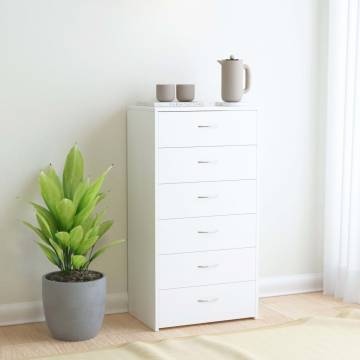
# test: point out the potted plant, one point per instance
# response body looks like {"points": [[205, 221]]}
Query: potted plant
{"points": [[69, 229]]}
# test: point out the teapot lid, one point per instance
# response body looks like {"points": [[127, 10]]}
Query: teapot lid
{"points": [[232, 57]]}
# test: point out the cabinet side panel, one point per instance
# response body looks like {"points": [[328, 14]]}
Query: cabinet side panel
{"points": [[141, 215]]}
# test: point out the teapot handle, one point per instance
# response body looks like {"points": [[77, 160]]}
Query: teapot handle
{"points": [[247, 78]]}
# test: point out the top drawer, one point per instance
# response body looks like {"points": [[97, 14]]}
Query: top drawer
{"points": [[207, 128]]}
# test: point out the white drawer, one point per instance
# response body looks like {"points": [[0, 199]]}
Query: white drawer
{"points": [[206, 199], [207, 303], [206, 233], [207, 128], [207, 164], [205, 268]]}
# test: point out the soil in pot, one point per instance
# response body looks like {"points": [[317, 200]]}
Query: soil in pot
{"points": [[74, 276]]}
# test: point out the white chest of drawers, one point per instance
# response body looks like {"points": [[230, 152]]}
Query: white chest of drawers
{"points": [[192, 214]]}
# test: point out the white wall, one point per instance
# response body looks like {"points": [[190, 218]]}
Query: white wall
{"points": [[68, 69]]}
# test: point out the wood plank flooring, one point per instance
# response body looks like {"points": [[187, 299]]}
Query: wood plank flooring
{"points": [[33, 340]]}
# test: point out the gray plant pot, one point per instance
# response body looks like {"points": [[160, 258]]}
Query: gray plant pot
{"points": [[74, 311]]}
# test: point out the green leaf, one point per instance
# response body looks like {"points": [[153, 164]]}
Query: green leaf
{"points": [[73, 171], [80, 192], [44, 226], [63, 238], [88, 224], [93, 191], [78, 261], [104, 227], [105, 247], [76, 235], [85, 212], [49, 191], [50, 254], [101, 196], [51, 173], [85, 246], [98, 217], [37, 231], [65, 211], [46, 214], [59, 252]]}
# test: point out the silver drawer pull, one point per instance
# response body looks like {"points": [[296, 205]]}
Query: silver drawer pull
{"points": [[207, 162], [212, 266], [207, 232], [207, 196], [211, 300]]}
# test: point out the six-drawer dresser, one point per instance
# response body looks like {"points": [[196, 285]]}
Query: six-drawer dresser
{"points": [[192, 214]]}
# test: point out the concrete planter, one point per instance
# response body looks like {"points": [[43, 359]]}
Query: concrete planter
{"points": [[74, 311]]}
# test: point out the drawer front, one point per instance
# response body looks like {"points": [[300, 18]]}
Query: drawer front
{"points": [[206, 304], [207, 128], [207, 164], [206, 199], [207, 233], [206, 268]]}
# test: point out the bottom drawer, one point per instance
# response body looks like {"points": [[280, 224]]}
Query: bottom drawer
{"points": [[207, 303]]}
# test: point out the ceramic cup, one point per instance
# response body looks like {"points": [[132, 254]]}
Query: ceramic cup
{"points": [[165, 92], [185, 92]]}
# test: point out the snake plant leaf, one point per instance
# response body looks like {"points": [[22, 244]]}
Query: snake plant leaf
{"points": [[63, 238], [104, 248], [85, 212], [37, 231], [78, 261], [104, 227], [47, 215], [65, 211], [93, 190], [50, 254], [80, 192], [76, 235], [73, 172], [44, 226], [51, 173], [49, 192]]}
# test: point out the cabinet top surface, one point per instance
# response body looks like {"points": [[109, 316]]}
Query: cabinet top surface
{"points": [[176, 106]]}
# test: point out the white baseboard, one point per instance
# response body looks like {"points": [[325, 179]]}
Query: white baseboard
{"points": [[293, 284], [26, 312]]}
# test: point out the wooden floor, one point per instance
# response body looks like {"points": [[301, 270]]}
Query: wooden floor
{"points": [[33, 340]]}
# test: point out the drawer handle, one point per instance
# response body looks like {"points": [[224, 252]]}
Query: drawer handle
{"points": [[207, 162], [207, 232], [207, 196], [213, 266], [211, 300], [206, 126]]}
